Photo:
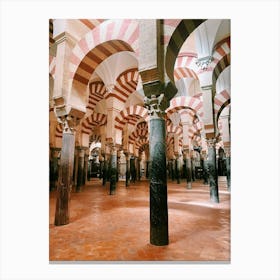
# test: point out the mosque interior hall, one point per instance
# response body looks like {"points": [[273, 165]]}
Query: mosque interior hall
{"points": [[139, 140]]}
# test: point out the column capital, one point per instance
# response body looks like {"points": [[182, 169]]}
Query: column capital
{"points": [[65, 36], [67, 115], [153, 105], [69, 123], [211, 142], [204, 62]]}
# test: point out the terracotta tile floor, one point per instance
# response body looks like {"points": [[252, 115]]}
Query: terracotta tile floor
{"points": [[107, 227]]}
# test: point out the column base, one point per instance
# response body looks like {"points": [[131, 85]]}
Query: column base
{"points": [[159, 236], [214, 199]]}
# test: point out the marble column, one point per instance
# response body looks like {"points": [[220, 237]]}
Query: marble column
{"points": [[204, 168], [158, 183], [177, 167], [104, 171], [147, 169], [118, 165], [75, 169], [167, 169], [88, 169], [188, 168], [109, 167], [81, 161], [137, 169], [228, 168], [65, 175], [113, 170], [192, 167], [132, 169], [54, 167], [127, 172], [85, 178], [212, 170]]}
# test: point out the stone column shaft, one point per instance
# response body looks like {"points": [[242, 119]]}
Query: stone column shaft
{"points": [[65, 178], [104, 171], [212, 171], [228, 167], [189, 173], [127, 172], [132, 169], [81, 162], [177, 166], [158, 184], [113, 171]]}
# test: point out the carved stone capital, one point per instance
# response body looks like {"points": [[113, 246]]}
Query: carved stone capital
{"points": [[69, 123], [211, 142], [153, 105], [68, 116], [204, 62]]}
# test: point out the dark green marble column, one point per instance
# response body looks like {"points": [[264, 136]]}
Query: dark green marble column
{"points": [[158, 183], [228, 168], [127, 172], [88, 170], [205, 172], [85, 168], [147, 169], [192, 169], [187, 166], [212, 170], [189, 173], [118, 166], [104, 171], [137, 168], [81, 161], [132, 169], [177, 166], [113, 170], [169, 170], [65, 177]]}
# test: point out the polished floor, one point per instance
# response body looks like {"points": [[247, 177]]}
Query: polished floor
{"points": [[107, 227]]}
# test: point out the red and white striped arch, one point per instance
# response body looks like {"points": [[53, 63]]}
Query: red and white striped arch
{"points": [[186, 60], [141, 142], [220, 101], [108, 38], [220, 51], [97, 92], [170, 142], [219, 68], [181, 32], [94, 138], [91, 23], [95, 119], [176, 129], [141, 131], [143, 148], [184, 72], [134, 111], [169, 26], [125, 85], [52, 61], [184, 102]]}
